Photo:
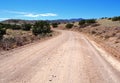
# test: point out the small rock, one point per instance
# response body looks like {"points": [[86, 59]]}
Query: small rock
{"points": [[50, 80]]}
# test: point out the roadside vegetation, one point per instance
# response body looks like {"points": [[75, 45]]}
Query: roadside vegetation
{"points": [[55, 25], [69, 25], [14, 35], [41, 27], [2, 32], [116, 18], [88, 22], [105, 28]]}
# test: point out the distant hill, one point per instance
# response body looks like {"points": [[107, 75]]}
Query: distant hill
{"points": [[66, 20], [19, 21]]}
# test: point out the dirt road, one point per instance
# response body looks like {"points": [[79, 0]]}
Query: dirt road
{"points": [[67, 58]]}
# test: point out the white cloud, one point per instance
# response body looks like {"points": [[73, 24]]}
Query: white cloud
{"points": [[48, 14], [40, 15], [32, 15]]}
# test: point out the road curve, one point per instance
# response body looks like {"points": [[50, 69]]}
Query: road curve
{"points": [[67, 58]]}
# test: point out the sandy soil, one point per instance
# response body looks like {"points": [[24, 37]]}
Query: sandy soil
{"points": [[67, 58]]}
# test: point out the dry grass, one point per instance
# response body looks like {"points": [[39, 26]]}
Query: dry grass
{"points": [[16, 38], [108, 23], [107, 34]]}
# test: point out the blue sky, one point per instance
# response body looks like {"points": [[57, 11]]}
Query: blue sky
{"points": [[58, 9]]}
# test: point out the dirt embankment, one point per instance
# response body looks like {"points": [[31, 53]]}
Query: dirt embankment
{"points": [[107, 37], [114, 51]]}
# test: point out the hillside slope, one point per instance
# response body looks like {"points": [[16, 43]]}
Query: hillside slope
{"points": [[107, 34]]}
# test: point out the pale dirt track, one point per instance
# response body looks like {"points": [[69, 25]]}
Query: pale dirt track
{"points": [[67, 58]]}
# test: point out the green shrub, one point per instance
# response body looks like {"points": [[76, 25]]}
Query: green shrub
{"points": [[7, 26], [82, 22], [26, 27], [10, 26], [117, 18], [90, 21], [2, 32], [15, 27], [109, 18], [54, 25], [41, 27], [2, 25], [68, 26], [102, 18]]}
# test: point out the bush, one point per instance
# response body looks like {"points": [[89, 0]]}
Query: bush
{"points": [[15, 27], [54, 25], [117, 18], [41, 27], [90, 21], [2, 32], [109, 18], [26, 27], [82, 22], [6, 26], [68, 26]]}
